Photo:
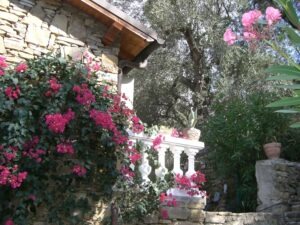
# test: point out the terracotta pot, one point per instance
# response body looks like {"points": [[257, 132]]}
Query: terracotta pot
{"points": [[192, 134], [272, 150]]}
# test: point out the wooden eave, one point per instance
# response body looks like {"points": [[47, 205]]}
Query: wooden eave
{"points": [[136, 41]]}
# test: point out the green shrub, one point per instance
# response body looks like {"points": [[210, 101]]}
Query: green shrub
{"points": [[234, 135]]}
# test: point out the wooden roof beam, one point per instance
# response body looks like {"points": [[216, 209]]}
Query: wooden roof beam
{"points": [[112, 33]]}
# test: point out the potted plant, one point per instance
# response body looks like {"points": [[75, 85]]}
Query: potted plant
{"points": [[272, 148], [191, 132]]}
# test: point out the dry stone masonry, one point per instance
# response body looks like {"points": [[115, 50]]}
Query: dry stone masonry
{"points": [[279, 189], [30, 28]]}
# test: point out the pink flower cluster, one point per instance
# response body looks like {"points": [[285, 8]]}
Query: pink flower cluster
{"points": [[10, 153], [21, 68], [54, 87], [9, 222], [65, 148], [127, 173], [251, 31], [79, 170], [3, 65], [133, 154], [102, 119], [91, 65], [11, 177], [119, 106], [12, 93], [84, 95], [169, 201], [29, 150], [137, 127], [105, 120], [157, 141], [190, 184], [57, 122]]}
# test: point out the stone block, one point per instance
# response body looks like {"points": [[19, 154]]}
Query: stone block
{"points": [[2, 47], [7, 29], [13, 44], [25, 55], [70, 40], [110, 63], [196, 215], [177, 213], [151, 219], [212, 217], [59, 25], [77, 29], [37, 36], [4, 3], [9, 17], [196, 203]]}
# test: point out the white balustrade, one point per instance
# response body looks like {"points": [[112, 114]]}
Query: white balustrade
{"points": [[176, 146], [161, 171]]}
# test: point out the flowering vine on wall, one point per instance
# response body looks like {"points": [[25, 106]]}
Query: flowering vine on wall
{"points": [[60, 130]]}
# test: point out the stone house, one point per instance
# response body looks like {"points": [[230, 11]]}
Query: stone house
{"points": [[30, 28]]}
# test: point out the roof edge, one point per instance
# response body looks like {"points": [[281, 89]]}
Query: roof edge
{"points": [[127, 19]]}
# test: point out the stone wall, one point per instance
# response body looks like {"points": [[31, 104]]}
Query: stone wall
{"points": [[279, 189], [190, 212], [30, 28]]}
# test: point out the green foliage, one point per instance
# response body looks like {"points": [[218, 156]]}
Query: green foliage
{"points": [[235, 134], [289, 72], [137, 198]]}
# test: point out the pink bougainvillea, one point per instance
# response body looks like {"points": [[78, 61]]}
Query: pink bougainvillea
{"points": [[102, 119], [137, 127], [157, 141], [9, 222], [84, 95], [164, 214], [11, 177], [54, 85], [135, 157], [190, 184], [3, 65], [57, 122], [12, 93], [65, 148], [126, 172], [30, 150], [21, 68], [79, 170]]}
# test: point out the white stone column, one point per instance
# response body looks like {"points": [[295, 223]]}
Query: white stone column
{"points": [[176, 150], [162, 170], [145, 168], [191, 160], [127, 88]]}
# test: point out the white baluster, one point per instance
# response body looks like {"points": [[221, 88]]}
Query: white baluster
{"points": [[162, 170], [191, 160], [145, 168], [176, 154]]}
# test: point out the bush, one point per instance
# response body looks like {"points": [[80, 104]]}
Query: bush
{"points": [[235, 134], [61, 130]]}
